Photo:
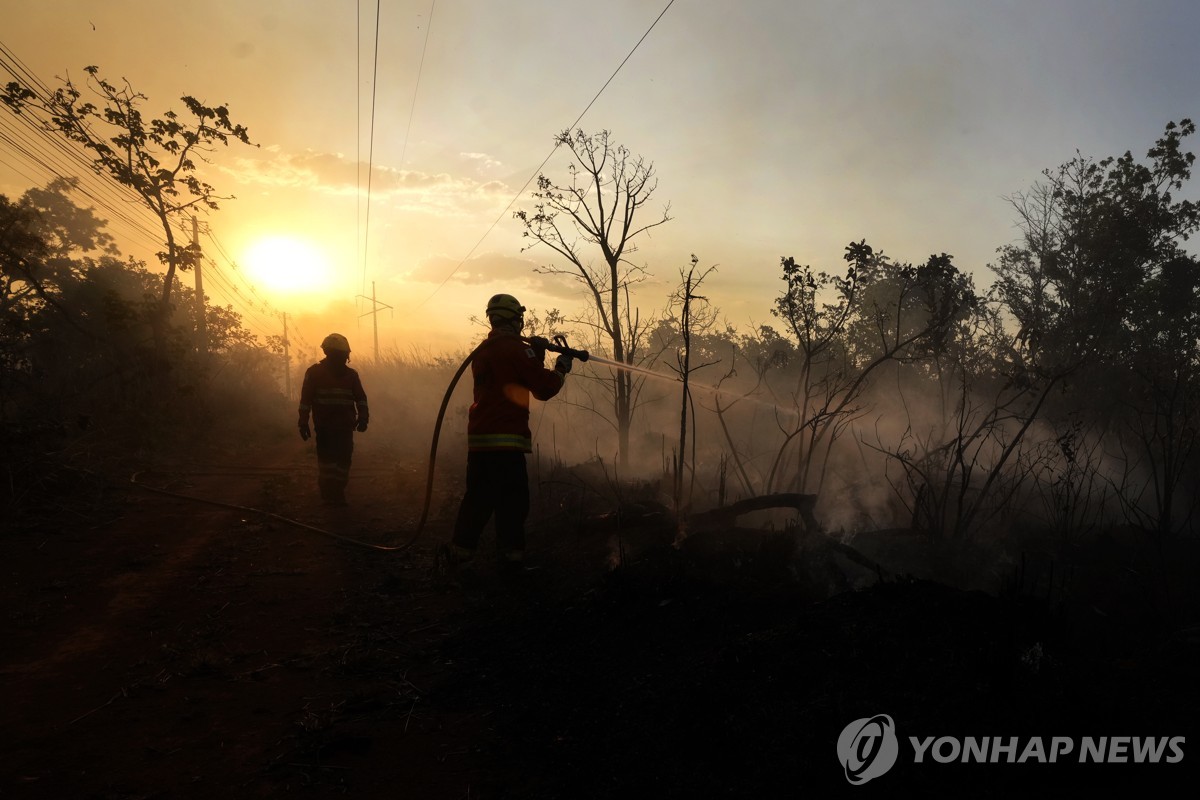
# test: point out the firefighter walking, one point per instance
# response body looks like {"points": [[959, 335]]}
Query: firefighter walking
{"points": [[333, 393], [506, 371]]}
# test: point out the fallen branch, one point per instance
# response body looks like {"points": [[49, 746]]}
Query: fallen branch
{"points": [[726, 517]]}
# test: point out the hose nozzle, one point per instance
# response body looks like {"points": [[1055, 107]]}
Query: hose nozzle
{"points": [[558, 345]]}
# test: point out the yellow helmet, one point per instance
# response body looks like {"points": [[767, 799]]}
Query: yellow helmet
{"points": [[335, 341], [504, 306]]}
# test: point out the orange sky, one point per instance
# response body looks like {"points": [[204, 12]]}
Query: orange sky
{"points": [[776, 129]]}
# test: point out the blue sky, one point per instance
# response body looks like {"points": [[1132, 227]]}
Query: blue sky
{"points": [[776, 128]]}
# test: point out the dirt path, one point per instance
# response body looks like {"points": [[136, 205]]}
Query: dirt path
{"points": [[182, 648]]}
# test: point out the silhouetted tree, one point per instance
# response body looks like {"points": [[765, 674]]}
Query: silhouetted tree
{"points": [[695, 316], [846, 328], [599, 208], [156, 158], [81, 335], [1105, 297]]}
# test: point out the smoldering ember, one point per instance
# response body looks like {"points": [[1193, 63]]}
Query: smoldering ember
{"points": [[625, 547]]}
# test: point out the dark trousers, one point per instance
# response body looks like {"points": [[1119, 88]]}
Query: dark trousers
{"points": [[335, 446], [497, 483]]}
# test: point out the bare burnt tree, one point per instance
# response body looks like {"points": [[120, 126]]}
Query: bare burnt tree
{"points": [[592, 222], [695, 316]]}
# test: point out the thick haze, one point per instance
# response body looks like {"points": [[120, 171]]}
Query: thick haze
{"points": [[777, 128]]}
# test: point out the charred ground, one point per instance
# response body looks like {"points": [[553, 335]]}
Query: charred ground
{"points": [[156, 647]]}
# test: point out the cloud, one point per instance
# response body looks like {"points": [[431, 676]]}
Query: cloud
{"points": [[484, 164], [516, 272], [440, 193]]}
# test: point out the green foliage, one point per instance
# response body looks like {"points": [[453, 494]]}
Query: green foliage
{"points": [[156, 158], [846, 327], [1105, 295], [85, 357], [1096, 235]]}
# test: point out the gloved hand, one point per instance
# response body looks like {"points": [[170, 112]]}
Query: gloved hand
{"points": [[562, 364], [539, 345], [361, 427], [304, 431]]}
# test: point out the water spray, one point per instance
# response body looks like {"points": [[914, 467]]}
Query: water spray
{"points": [[715, 390]]}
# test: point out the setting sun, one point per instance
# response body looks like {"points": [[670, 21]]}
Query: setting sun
{"points": [[287, 264]]}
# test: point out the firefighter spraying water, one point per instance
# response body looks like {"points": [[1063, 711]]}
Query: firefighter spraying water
{"points": [[506, 370]]}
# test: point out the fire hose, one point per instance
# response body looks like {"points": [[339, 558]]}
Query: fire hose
{"points": [[556, 345]]}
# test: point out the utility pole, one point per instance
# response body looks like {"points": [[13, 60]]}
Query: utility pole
{"points": [[374, 314], [287, 362], [201, 327]]}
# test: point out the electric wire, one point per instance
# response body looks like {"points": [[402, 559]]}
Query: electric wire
{"points": [[30, 77], [108, 194], [366, 232], [55, 156], [237, 270], [258, 316], [546, 160], [35, 153], [358, 134], [33, 118], [365, 238], [17, 170], [417, 88], [262, 303], [34, 123], [263, 320], [222, 286], [91, 181], [218, 284]]}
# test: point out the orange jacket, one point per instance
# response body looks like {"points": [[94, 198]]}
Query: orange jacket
{"points": [[335, 397], [506, 371]]}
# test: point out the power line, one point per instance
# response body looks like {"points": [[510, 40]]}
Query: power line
{"points": [[358, 136], [224, 287], [366, 237], [31, 78], [255, 306], [36, 151], [546, 160], [366, 229], [106, 191], [417, 88], [237, 270], [36, 156], [90, 181], [17, 170], [263, 317]]}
